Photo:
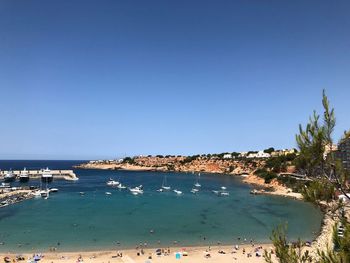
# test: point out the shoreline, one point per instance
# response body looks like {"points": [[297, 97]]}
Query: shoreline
{"points": [[194, 254]]}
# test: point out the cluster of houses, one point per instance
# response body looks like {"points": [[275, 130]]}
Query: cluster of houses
{"points": [[264, 154], [261, 154]]}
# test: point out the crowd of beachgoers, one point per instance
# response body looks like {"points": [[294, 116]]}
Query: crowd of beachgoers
{"points": [[222, 254]]}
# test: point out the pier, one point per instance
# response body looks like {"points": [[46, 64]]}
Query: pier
{"points": [[68, 175]]}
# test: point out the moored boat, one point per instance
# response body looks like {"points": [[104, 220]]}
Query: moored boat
{"points": [[120, 186], [45, 193], [164, 184], [24, 176], [194, 191], [197, 184], [53, 190], [46, 176], [136, 190], [178, 192], [9, 177], [111, 182]]}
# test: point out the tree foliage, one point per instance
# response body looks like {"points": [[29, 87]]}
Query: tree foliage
{"points": [[313, 140], [284, 252], [318, 190]]}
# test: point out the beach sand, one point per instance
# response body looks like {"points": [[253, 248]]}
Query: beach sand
{"points": [[195, 254]]}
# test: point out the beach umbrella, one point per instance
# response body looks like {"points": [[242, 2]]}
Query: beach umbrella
{"points": [[177, 255]]}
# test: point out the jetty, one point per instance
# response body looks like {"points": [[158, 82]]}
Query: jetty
{"points": [[68, 175]]}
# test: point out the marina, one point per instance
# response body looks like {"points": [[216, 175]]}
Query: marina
{"points": [[26, 175]]}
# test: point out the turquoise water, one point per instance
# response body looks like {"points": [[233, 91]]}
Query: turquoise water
{"points": [[98, 221]]}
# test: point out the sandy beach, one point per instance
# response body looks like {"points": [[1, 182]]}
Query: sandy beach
{"points": [[244, 253]]}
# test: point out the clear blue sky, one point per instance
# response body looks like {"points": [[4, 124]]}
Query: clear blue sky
{"points": [[100, 79]]}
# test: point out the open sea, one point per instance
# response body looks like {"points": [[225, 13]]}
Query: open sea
{"points": [[70, 222]]}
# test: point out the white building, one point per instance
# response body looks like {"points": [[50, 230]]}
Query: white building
{"points": [[252, 155], [259, 154], [243, 154], [227, 156], [262, 154]]}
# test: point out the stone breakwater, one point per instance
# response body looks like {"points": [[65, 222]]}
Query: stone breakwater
{"points": [[13, 197]]}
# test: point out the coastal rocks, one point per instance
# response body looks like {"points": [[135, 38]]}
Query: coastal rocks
{"points": [[324, 240], [14, 197], [179, 164]]}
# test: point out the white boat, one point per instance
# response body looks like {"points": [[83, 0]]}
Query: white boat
{"points": [[136, 190], [9, 177], [24, 176], [177, 192], [164, 184], [120, 186], [45, 193], [223, 187], [160, 190], [194, 191], [108, 193], [36, 193], [111, 182], [215, 192], [5, 185], [82, 193], [197, 184], [53, 190], [224, 194], [46, 175]]}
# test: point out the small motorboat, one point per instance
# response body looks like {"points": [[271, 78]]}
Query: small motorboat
{"points": [[224, 193], [36, 194], [177, 192], [45, 193], [108, 193], [137, 190], [215, 192], [53, 190], [160, 190], [120, 186], [194, 191], [5, 185], [111, 182], [82, 193], [223, 187]]}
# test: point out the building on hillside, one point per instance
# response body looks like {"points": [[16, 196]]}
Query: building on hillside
{"points": [[283, 152], [259, 154], [329, 148], [227, 156], [343, 152], [243, 154], [262, 154], [252, 155]]}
